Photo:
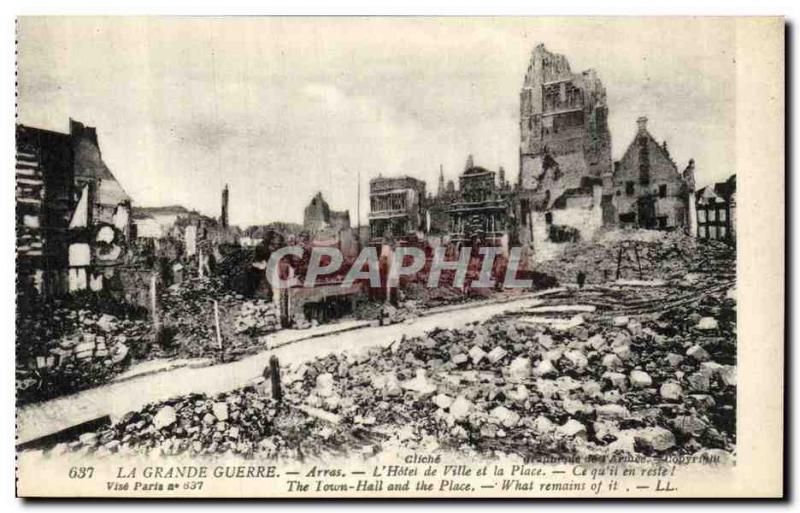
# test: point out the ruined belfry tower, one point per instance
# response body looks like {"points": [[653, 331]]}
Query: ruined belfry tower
{"points": [[564, 129]]}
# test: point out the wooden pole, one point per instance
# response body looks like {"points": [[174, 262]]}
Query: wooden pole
{"points": [[154, 303], [216, 325], [275, 377], [358, 211]]}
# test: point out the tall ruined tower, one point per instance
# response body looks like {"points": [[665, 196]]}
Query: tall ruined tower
{"points": [[563, 127], [223, 219]]}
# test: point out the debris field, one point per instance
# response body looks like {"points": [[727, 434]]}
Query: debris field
{"points": [[566, 377]]}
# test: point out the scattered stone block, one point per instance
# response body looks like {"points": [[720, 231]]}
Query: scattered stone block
{"points": [[707, 324], [698, 353], [671, 392], [496, 354], [545, 368], [165, 417], [460, 408], [220, 411], [640, 379], [504, 416], [519, 369], [655, 438], [611, 412], [572, 429]]}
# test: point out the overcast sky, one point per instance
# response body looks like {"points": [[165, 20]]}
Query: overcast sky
{"points": [[282, 108]]}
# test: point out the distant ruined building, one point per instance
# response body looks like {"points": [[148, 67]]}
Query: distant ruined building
{"points": [[319, 216], [481, 211], [223, 218], [326, 226], [397, 209]]}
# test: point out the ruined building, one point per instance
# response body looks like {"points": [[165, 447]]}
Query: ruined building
{"points": [[716, 211], [563, 128], [318, 216], [567, 186], [481, 212], [101, 222], [73, 216], [329, 227], [44, 202], [565, 153], [648, 190], [397, 208]]}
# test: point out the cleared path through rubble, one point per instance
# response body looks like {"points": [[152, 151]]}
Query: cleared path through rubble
{"points": [[35, 421]]}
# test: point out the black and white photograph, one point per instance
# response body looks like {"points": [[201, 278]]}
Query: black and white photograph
{"points": [[398, 257]]}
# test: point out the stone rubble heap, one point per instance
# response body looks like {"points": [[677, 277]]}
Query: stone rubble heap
{"points": [[71, 349], [68, 347], [651, 385], [257, 318], [241, 422], [188, 316], [659, 255]]}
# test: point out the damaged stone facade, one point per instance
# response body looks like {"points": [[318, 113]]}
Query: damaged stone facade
{"points": [[575, 215], [396, 208], [648, 191], [481, 212], [565, 153], [44, 202], [101, 222], [567, 188], [563, 128], [73, 217]]}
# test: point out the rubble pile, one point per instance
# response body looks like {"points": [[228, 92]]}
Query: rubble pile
{"points": [[591, 385], [72, 345], [81, 342], [246, 422], [188, 317], [575, 382], [368, 310], [242, 422], [256, 318], [639, 254], [232, 266], [437, 296], [423, 297]]}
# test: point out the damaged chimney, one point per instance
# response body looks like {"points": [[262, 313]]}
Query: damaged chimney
{"points": [[224, 217], [642, 123]]}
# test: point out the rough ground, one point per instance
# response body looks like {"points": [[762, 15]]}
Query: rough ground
{"points": [[67, 345], [70, 345], [598, 371]]}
